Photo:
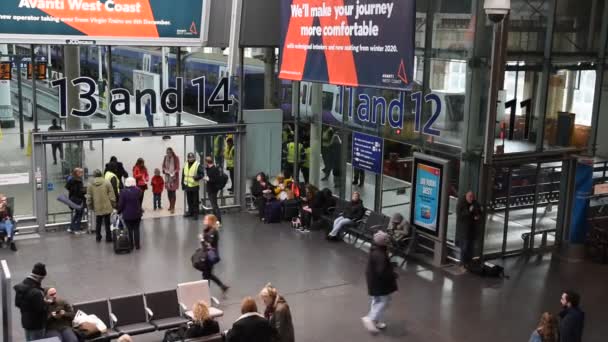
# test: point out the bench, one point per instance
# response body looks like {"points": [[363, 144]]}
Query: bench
{"points": [[529, 240], [596, 243]]}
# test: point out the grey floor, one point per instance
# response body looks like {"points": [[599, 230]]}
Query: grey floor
{"points": [[324, 283]]}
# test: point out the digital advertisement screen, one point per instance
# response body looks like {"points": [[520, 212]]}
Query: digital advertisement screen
{"points": [[367, 43], [426, 192], [105, 22]]}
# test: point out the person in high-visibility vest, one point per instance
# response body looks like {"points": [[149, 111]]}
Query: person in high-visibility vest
{"points": [[111, 177], [229, 158], [291, 155], [218, 150], [192, 173], [306, 162], [325, 152]]}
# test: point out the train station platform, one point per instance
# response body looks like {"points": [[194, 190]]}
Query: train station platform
{"points": [[323, 283]]}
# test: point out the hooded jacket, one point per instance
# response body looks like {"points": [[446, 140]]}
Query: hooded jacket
{"points": [[101, 198], [29, 298]]}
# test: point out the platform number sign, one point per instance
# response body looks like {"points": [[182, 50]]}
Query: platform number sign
{"points": [[427, 128], [171, 99]]}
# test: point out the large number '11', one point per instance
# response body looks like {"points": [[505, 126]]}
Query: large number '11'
{"points": [[428, 126]]}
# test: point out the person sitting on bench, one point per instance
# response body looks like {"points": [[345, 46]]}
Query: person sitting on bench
{"points": [[352, 213], [398, 229], [7, 223]]}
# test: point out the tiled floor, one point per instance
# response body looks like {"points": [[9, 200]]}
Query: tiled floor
{"points": [[324, 283]]}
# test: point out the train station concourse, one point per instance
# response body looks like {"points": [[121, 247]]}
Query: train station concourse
{"points": [[303, 170]]}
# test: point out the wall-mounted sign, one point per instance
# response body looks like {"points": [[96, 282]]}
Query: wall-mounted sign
{"points": [[105, 22], [367, 152], [426, 195], [349, 42]]}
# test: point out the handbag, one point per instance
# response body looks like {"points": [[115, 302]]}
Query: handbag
{"points": [[198, 259], [212, 257]]}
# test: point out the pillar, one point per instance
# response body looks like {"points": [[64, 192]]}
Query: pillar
{"points": [[71, 62], [269, 79], [315, 133]]}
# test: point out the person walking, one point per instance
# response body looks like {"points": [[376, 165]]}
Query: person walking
{"points": [[76, 194], [468, 219], [60, 316], [148, 113], [158, 184], [381, 282], [55, 127], [102, 201], [7, 222], [572, 318], [210, 239], [191, 176], [335, 151], [326, 153], [29, 298], [547, 330], [140, 173], [214, 185], [229, 157], [130, 209], [278, 313], [171, 172]]}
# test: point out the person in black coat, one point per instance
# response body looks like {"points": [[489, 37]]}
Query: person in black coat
{"points": [[352, 213], [251, 326], [118, 169], [572, 318], [381, 282], [29, 298], [468, 219], [258, 186], [210, 240], [214, 185], [202, 324], [76, 194]]}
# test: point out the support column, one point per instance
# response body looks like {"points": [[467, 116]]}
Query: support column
{"points": [[71, 62], [315, 133], [270, 100]]}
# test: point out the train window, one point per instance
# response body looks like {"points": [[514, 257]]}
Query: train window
{"points": [[304, 93], [328, 99]]}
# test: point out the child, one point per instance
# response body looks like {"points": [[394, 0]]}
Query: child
{"points": [[158, 184]]}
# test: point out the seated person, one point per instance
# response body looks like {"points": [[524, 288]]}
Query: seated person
{"points": [[251, 326], [329, 201], [7, 223], [60, 316], [352, 213], [398, 229], [312, 206], [202, 324], [282, 186], [259, 185]]}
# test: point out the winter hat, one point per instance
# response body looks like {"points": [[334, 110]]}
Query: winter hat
{"points": [[39, 270], [381, 238]]}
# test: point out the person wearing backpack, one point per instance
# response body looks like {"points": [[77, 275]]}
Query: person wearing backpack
{"points": [[29, 298], [216, 181]]}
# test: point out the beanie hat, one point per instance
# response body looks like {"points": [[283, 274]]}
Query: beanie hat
{"points": [[381, 238], [39, 270]]}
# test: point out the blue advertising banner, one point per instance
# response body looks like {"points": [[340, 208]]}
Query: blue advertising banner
{"points": [[583, 190], [368, 43], [426, 196], [105, 22], [367, 152]]}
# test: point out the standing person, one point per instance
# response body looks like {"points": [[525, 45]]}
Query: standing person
{"points": [[306, 161], [358, 177], [60, 316], [278, 313], [218, 150], [140, 173], [547, 330], [7, 223], [210, 240], [158, 184], [191, 176], [291, 155], [251, 326], [102, 201], [56, 146], [352, 213], [171, 172], [29, 298], [381, 282], [118, 168], [111, 177], [149, 114], [229, 157], [572, 318], [76, 194], [468, 217], [214, 185], [130, 209], [335, 151], [326, 153]]}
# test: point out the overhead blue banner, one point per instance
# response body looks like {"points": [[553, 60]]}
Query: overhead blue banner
{"points": [[367, 152], [367, 43], [426, 196]]}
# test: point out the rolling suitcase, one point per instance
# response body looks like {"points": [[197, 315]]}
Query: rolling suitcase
{"points": [[120, 237], [273, 212]]}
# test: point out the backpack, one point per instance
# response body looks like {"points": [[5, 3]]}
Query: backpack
{"points": [[486, 269], [222, 181]]}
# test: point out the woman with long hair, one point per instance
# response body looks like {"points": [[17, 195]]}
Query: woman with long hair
{"points": [[140, 173], [547, 330], [210, 242], [202, 323], [171, 172], [278, 313]]}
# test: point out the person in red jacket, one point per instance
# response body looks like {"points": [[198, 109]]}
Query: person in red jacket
{"points": [[158, 184], [140, 173]]}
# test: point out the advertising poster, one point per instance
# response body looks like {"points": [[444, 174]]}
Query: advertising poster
{"points": [[367, 43], [427, 196], [367, 152], [105, 22]]}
